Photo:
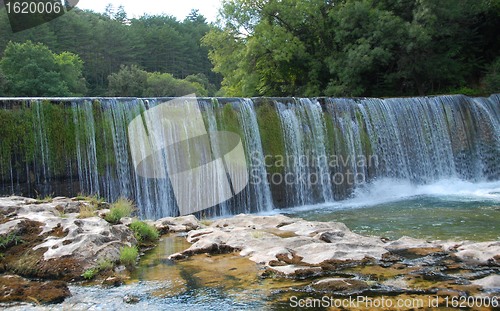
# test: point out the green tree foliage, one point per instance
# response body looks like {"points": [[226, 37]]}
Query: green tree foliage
{"points": [[492, 78], [130, 81], [31, 69], [71, 67], [107, 41], [134, 82], [353, 47]]}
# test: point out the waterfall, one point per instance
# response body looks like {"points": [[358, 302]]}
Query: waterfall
{"points": [[259, 195], [298, 151]]}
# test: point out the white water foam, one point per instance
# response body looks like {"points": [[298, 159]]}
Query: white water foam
{"points": [[394, 190]]}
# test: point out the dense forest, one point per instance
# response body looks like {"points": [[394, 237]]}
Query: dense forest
{"points": [[160, 47], [262, 48]]}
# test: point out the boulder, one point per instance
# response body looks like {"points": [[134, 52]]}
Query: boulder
{"points": [[480, 253], [177, 224], [47, 242], [15, 288]]}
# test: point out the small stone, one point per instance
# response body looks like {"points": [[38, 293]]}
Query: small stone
{"points": [[450, 293], [112, 281], [490, 282], [131, 299], [340, 285]]}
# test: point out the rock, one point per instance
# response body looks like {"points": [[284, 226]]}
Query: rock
{"points": [[102, 212], [342, 285], [112, 281], [311, 245], [15, 288], [413, 248], [481, 253], [293, 271], [177, 224], [59, 199], [131, 299], [126, 221], [491, 282], [450, 293], [48, 243]]}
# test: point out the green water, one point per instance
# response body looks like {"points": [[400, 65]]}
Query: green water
{"points": [[446, 210], [421, 217]]}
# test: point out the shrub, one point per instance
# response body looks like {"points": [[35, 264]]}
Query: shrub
{"points": [[128, 255], [492, 79], [90, 273], [9, 240], [86, 211], [144, 232], [105, 264], [121, 208]]}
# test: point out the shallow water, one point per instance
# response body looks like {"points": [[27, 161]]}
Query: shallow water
{"points": [[449, 209]]}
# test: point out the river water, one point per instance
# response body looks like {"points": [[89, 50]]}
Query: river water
{"points": [[449, 209]]}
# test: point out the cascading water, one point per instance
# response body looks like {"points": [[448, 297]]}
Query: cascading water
{"points": [[259, 194], [330, 147], [304, 132]]}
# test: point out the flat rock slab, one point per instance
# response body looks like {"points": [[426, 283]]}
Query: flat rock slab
{"points": [[48, 239], [15, 288], [293, 247]]}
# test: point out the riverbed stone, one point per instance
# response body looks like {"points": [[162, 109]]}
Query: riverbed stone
{"points": [[491, 282], [177, 224], [480, 253], [340, 285], [47, 242], [15, 288], [314, 248]]}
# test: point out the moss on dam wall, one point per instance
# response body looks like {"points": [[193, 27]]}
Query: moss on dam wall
{"points": [[83, 143]]}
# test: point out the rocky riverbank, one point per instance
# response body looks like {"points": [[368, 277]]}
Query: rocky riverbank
{"points": [[46, 244], [342, 262]]}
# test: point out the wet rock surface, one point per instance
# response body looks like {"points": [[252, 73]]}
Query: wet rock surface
{"points": [[50, 240], [15, 288], [342, 262]]}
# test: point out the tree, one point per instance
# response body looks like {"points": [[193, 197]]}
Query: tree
{"points": [[33, 70], [130, 81], [492, 78], [352, 47], [71, 72], [135, 82], [106, 41]]}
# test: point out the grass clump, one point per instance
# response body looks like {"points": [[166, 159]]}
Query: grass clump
{"points": [[9, 240], [87, 211], [89, 274], [105, 264], [95, 200], [143, 232], [45, 199], [121, 208], [128, 255]]}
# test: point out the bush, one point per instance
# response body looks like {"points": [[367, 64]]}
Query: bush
{"points": [[89, 274], [9, 240], [121, 208], [128, 255], [492, 78], [104, 265], [144, 232]]}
